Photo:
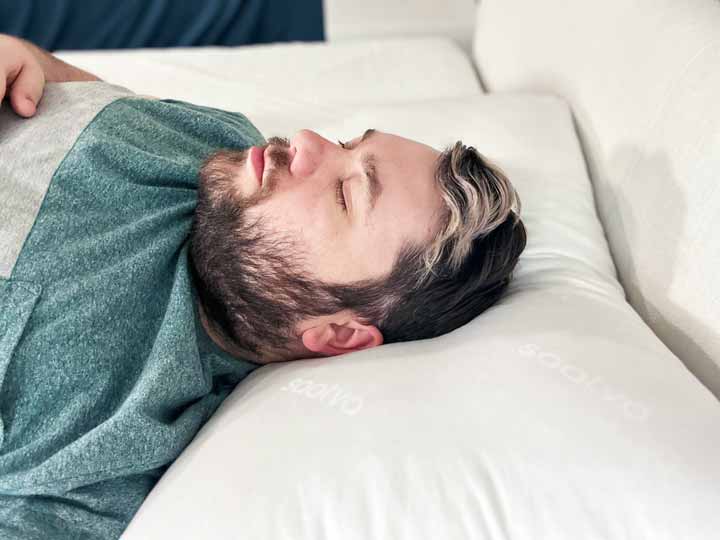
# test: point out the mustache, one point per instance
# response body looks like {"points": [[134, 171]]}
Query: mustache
{"points": [[278, 152]]}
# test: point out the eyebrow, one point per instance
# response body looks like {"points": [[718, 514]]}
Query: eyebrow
{"points": [[373, 187]]}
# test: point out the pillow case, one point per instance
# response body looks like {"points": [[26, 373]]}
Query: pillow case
{"points": [[556, 413]]}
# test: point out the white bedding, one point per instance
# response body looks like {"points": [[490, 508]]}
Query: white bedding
{"points": [[286, 87], [643, 79], [350, 19], [556, 414]]}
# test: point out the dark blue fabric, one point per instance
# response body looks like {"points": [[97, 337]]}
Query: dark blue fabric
{"points": [[109, 24]]}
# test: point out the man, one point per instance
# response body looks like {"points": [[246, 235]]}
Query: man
{"points": [[154, 252]]}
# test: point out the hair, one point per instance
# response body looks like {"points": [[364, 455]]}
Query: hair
{"points": [[253, 289], [437, 288]]}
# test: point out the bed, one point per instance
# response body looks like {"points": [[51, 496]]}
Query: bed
{"points": [[585, 403]]}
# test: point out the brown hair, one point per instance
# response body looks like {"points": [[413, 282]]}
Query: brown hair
{"points": [[436, 288]]}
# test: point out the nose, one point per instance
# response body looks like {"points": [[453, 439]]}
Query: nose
{"points": [[311, 150]]}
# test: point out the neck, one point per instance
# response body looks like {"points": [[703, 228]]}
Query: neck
{"points": [[237, 352]]}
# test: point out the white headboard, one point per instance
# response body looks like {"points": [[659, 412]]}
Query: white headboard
{"points": [[643, 81]]}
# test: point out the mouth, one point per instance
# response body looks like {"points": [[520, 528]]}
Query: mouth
{"points": [[257, 157]]}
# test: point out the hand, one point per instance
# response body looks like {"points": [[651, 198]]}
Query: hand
{"points": [[22, 77]]}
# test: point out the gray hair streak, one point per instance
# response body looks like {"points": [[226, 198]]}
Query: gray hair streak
{"points": [[478, 197]]}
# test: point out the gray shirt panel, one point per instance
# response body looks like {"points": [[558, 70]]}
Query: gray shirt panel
{"points": [[31, 149]]}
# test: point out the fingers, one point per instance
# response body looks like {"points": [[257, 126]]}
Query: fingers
{"points": [[27, 89], [2, 88]]}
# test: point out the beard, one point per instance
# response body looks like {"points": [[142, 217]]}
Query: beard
{"points": [[251, 280]]}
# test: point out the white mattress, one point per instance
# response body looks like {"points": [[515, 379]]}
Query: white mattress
{"points": [[555, 414], [279, 86]]}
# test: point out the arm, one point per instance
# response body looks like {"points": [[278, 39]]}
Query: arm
{"points": [[24, 70], [56, 70]]}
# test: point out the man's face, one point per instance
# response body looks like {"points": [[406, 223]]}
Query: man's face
{"points": [[349, 209], [282, 229]]}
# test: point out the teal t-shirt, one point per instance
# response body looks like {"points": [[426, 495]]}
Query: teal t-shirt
{"points": [[106, 373]]}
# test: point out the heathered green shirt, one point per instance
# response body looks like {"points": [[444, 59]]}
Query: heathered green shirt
{"points": [[106, 373]]}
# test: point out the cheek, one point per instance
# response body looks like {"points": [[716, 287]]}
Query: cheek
{"points": [[302, 220]]}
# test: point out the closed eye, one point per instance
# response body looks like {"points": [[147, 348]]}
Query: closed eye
{"points": [[371, 182], [340, 196]]}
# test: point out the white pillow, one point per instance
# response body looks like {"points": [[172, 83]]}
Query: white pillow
{"points": [[555, 414]]}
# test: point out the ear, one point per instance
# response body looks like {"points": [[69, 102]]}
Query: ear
{"points": [[330, 339]]}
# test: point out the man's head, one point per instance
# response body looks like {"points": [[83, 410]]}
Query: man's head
{"points": [[308, 248]]}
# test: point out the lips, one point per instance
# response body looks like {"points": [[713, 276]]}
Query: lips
{"points": [[257, 158]]}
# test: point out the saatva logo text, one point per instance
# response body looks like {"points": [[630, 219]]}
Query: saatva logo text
{"points": [[331, 395], [631, 409]]}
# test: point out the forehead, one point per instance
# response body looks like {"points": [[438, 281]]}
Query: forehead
{"points": [[397, 142]]}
